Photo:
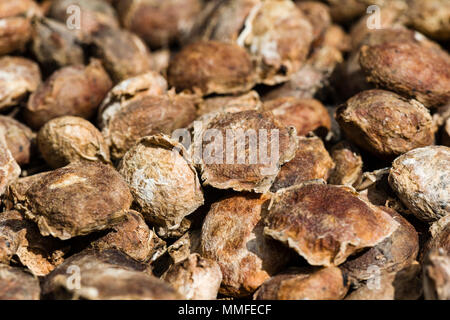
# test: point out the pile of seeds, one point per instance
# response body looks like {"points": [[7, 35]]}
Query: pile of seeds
{"points": [[217, 149]]}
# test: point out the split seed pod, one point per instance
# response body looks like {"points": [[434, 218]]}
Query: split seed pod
{"points": [[325, 224], [196, 278], [74, 90], [305, 284], [232, 235], [386, 124], [77, 199], [18, 78], [420, 179], [162, 180], [68, 139], [257, 160]]}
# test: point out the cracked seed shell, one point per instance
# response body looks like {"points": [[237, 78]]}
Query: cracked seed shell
{"points": [[349, 164]]}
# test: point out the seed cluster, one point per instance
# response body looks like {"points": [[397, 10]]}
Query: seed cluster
{"points": [[237, 149]]}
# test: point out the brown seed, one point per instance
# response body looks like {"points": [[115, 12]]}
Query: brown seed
{"points": [[188, 244], [15, 27], [440, 235], [436, 275], [162, 180], [431, 18], [9, 169], [69, 139], [325, 224], [160, 23], [77, 199], [278, 35], [345, 10], [393, 254], [349, 164], [231, 103], [246, 169], [18, 78], [16, 284], [305, 115], [318, 14], [132, 237], [105, 275], [21, 238], [411, 69], [196, 278], [232, 235], [212, 67], [16, 192], [385, 124], [305, 284], [74, 90], [94, 14], [124, 123], [405, 284], [311, 161], [19, 138], [123, 54], [54, 45], [420, 179]]}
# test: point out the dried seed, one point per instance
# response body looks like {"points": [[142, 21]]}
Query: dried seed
{"points": [[9, 169], [232, 103], [68, 139], [77, 199], [431, 18], [304, 114], [162, 180], [436, 275], [232, 235], [411, 69], [305, 284], [318, 14], [16, 192], [212, 67], [385, 124], [311, 161], [345, 10], [132, 237], [16, 284], [196, 278], [223, 169], [325, 224], [19, 139], [349, 164], [420, 179], [74, 90]]}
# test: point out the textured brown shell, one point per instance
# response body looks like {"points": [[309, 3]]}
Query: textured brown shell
{"points": [[349, 164], [318, 14], [69, 139], [232, 235], [278, 36], [431, 17], [391, 255], [105, 275], [77, 199], [160, 23], [18, 78], [311, 161], [325, 224], [345, 10], [123, 54], [9, 169], [143, 116], [305, 284], [436, 275], [229, 173], [94, 14], [55, 45], [19, 138], [231, 103], [162, 180], [74, 90], [15, 284], [421, 180], [22, 239], [132, 237], [304, 114], [440, 235], [16, 191], [386, 124], [411, 69], [212, 67], [196, 278]]}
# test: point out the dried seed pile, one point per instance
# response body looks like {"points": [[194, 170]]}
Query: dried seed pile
{"points": [[211, 149]]}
